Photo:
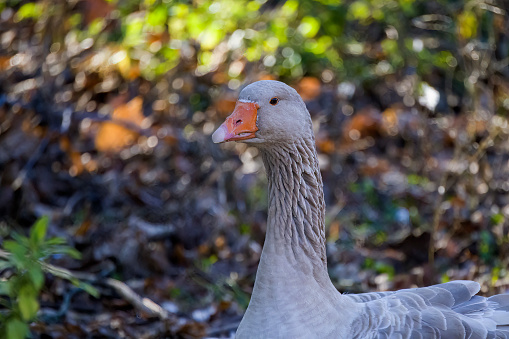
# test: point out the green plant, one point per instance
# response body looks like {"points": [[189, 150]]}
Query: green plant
{"points": [[379, 267], [23, 260]]}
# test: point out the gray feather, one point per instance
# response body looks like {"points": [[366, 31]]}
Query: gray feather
{"points": [[446, 311]]}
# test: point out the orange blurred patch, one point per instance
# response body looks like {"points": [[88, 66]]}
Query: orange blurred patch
{"points": [[77, 166], [112, 136], [204, 249], [220, 78], [458, 202], [224, 305], [95, 9], [334, 229], [390, 118], [129, 68], [267, 77], [220, 242], [65, 143], [4, 62], [326, 146], [477, 127], [225, 105], [163, 38], [375, 167], [29, 129], [84, 228], [309, 88], [166, 135], [364, 123]]}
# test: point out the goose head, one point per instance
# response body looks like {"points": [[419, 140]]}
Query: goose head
{"points": [[266, 112]]}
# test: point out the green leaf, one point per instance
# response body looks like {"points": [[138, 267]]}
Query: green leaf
{"points": [[72, 252], [16, 329], [29, 10], [289, 8], [27, 302], [467, 24], [74, 20], [133, 35], [497, 218], [309, 26], [360, 10], [38, 230], [157, 17], [211, 36], [18, 253], [5, 287], [88, 288], [55, 241], [63, 249], [96, 26], [21, 239], [36, 276]]}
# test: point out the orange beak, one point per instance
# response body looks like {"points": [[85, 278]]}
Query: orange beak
{"points": [[240, 125]]}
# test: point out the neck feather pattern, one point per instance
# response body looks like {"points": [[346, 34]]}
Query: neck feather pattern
{"points": [[293, 296], [296, 205]]}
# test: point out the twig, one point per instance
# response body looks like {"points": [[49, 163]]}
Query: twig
{"points": [[436, 22], [145, 305], [4, 254], [140, 303], [153, 232], [30, 164], [485, 144], [438, 213]]}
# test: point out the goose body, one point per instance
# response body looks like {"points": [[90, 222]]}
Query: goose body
{"points": [[293, 296]]}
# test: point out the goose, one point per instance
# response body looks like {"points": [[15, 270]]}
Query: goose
{"points": [[293, 296]]}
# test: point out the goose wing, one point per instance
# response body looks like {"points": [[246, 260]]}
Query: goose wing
{"points": [[448, 311]]}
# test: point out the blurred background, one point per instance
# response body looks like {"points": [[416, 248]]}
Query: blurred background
{"points": [[106, 113]]}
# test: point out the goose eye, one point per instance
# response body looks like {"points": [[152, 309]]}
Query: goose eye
{"points": [[274, 101]]}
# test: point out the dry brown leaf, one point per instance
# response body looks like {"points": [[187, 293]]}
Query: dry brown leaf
{"points": [[112, 135]]}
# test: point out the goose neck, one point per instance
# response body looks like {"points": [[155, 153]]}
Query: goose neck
{"points": [[295, 227]]}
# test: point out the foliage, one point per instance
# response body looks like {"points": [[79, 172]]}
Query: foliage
{"points": [[26, 260], [299, 37], [379, 267], [360, 40]]}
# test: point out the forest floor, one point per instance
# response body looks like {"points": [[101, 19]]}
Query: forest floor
{"points": [[128, 174]]}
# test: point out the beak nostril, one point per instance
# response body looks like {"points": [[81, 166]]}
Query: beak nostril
{"points": [[238, 122]]}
